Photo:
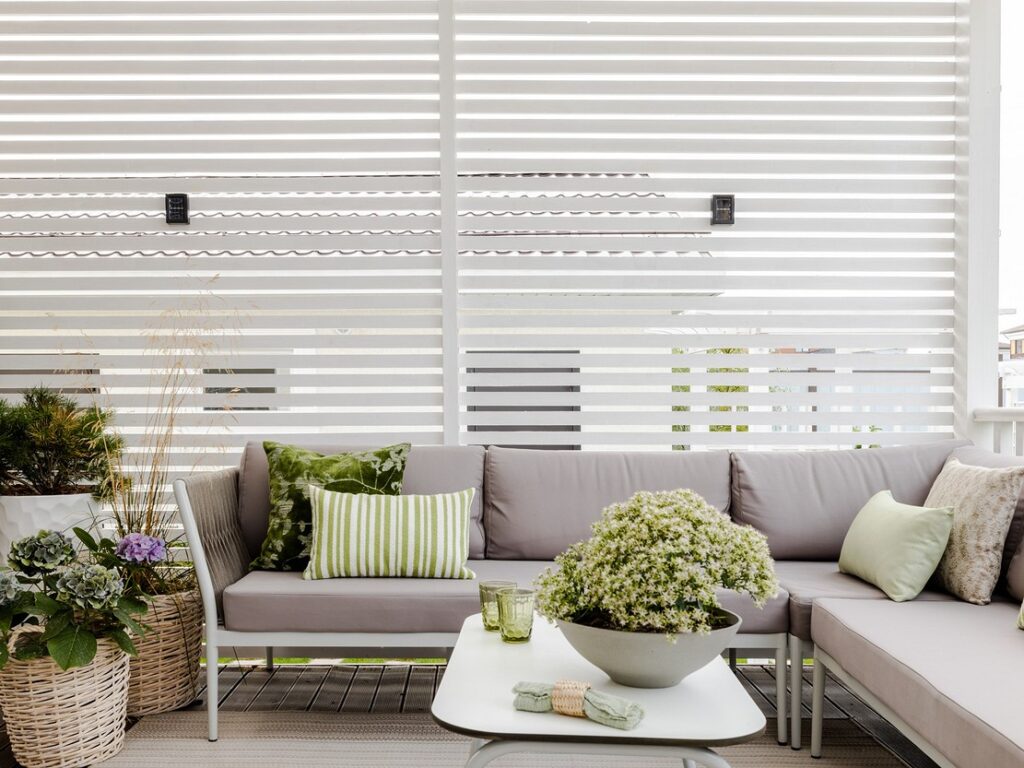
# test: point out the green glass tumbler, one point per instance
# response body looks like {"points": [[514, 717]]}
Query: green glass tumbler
{"points": [[515, 614], [489, 602]]}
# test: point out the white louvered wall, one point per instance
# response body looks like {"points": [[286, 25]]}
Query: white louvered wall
{"points": [[591, 136], [321, 140]]}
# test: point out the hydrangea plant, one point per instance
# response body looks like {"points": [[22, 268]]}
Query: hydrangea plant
{"points": [[89, 587], [654, 564], [63, 605], [143, 562], [141, 549], [44, 552]]}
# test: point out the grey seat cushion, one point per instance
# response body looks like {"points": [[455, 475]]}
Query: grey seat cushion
{"points": [[950, 670], [538, 503], [429, 469], [810, 580], [276, 601], [770, 620], [804, 501], [279, 601]]}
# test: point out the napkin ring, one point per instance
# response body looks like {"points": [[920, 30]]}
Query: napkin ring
{"points": [[567, 697]]}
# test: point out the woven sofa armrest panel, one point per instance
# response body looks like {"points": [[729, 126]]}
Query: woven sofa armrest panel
{"points": [[213, 500]]}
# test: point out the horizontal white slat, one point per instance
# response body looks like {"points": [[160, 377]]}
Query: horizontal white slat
{"points": [[711, 439], [381, 341], [853, 341], [816, 264], [684, 223], [594, 202], [562, 323], [737, 378], [219, 242], [215, 7], [205, 205], [688, 88], [698, 8], [706, 303], [634, 418], [235, 437], [630, 359], [153, 224], [563, 69], [639, 26], [217, 264], [232, 419], [226, 359], [714, 243], [239, 25], [684, 124], [611, 283], [767, 399]]}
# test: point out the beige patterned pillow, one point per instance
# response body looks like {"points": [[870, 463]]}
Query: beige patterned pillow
{"points": [[983, 502]]}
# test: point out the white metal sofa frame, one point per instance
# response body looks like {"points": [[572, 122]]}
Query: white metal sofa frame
{"points": [[218, 636]]}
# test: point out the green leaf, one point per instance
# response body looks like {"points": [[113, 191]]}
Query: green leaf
{"points": [[124, 642], [85, 538], [56, 624], [4, 654], [129, 621], [46, 606], [74, 647], [132, 606]]}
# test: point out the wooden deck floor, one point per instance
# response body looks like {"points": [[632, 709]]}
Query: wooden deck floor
{"points": [[391, 688]]}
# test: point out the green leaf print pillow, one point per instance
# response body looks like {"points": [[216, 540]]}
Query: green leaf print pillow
{"points": [[292, 470]]}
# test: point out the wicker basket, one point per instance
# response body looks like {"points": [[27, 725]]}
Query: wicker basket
{"points": [[58, 719], [165, 674]]}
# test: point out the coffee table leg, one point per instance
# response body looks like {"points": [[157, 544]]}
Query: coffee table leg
{"points": [[482, 753]]}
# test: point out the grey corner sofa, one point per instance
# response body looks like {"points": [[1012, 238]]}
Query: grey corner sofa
{"points": [[531, 505]]}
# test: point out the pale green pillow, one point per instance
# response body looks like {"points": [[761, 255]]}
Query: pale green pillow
{"points": [[374, 535], [895, 546]]}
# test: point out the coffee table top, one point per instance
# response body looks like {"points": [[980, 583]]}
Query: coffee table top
{"points": [[709, 708]]}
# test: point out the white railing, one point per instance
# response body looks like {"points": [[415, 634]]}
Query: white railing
{"points": [[1007, 428]]}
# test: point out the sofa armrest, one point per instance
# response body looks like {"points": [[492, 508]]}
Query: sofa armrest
{"points": [[208, 502]]}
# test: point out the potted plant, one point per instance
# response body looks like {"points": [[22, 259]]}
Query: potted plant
{"points": [[64, 646], [638, 599], [164, 673], [142, 516], [54, 464]]}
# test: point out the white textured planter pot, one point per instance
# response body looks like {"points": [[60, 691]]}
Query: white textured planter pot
{"points": [[646, 659], [22, 516]]}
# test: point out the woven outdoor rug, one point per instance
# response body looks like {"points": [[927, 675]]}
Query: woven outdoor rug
{"points": [[316, 740]]}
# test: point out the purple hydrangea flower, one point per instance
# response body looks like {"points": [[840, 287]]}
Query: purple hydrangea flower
{"points": [[140, 548]]}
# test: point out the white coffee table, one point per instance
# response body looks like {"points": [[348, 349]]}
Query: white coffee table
{"points": [[708, 709]]}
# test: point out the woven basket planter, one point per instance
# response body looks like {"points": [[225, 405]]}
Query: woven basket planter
{"points": [[165, 674], [58, 719]]}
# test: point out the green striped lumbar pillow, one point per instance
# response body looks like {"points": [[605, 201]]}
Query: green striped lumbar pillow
{"points": [[359, 534]]}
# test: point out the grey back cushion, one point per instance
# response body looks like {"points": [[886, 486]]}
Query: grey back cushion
{"points": [[804, 501], [1013, 551], [537, 503], [430, 469]]}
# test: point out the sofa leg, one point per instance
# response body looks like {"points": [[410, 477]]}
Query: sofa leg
{"points": [[780, 691], [796, 684], [270, 658], [212, 694], [818, 706]]}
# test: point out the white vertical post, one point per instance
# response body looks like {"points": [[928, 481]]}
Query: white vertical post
{"points": [[976, 320], [449, 223]]}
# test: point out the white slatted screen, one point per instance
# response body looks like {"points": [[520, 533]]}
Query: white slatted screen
{"points": [[321, 140], [592, 134]]}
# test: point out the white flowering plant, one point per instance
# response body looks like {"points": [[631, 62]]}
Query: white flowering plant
{"points": [[654, 564]]}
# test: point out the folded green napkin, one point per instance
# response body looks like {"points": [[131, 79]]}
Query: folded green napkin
{"points": [[603, 708]]}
